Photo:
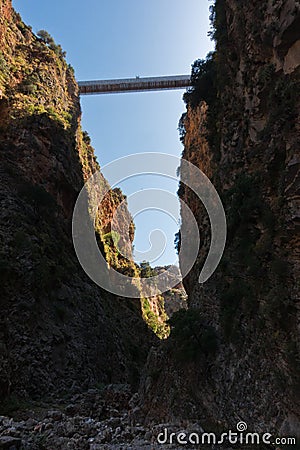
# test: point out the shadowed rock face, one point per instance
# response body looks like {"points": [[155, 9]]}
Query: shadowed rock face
{"points": [[245, 137], [58, 331]]}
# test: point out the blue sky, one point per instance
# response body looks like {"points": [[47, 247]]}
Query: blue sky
{"points": [[119, 39]]}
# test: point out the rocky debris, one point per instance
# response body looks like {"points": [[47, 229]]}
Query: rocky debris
{"points": [[105, 418]]}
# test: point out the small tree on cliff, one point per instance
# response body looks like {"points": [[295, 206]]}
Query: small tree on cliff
{"points": [[146, 270], [203, 81], [49, 41], [45, 37]]}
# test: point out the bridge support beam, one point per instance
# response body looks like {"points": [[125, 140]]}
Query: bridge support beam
{"points": [[134, 84]]}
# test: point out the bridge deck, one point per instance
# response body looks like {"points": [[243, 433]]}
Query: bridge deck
{"points": [[134, 84]]}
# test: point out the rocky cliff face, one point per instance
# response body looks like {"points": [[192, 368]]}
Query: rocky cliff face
{"points": [[58, 331], [242, 129]]}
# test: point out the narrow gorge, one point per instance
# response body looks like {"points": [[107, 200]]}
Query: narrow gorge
{"points": [[82, 368]]}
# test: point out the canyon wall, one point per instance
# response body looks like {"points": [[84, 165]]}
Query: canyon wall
{"points": [[241, 129], [59, 332]]}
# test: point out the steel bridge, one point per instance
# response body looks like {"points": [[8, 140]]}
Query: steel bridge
{"points": [[134, 84]]}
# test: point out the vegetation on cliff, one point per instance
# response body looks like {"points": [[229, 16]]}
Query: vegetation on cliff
{"points": [[32, 69]]}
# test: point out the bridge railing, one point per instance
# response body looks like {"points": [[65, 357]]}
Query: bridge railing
{"points": [[134, 84]]}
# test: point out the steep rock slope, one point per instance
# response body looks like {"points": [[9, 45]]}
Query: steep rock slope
{"points": [[58, 331], [242, 129]]}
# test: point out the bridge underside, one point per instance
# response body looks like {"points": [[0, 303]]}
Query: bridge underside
{"points": [[134, 85]]}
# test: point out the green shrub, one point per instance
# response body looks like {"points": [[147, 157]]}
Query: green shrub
{"points": [[293, 355], [12, 404], [192, 335], [20, 240], [282, 104], [63, 117], [237, 297], [244, 201], [49, 41], [111, 238], [177, 241], [3, 65], [280, 268], [38, 197], [266, 73], [71, 69], [45, 37], [218, 22], [146, 270], [45, 276], [181, 129], [86, 138], [7, 270], [29, 87], [279, 307], [203, 82], [157, 323], [60, 312]]}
